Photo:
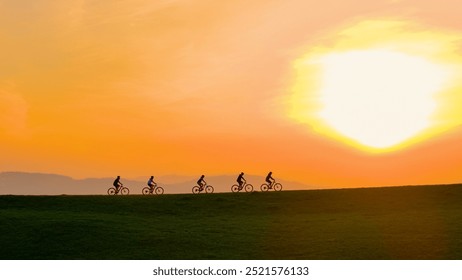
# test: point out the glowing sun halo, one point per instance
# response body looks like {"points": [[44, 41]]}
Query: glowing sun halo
{"points": [[378, 97], [378, 92]]}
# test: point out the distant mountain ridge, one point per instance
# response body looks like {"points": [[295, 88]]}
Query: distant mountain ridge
{"points": [[23, 183]]}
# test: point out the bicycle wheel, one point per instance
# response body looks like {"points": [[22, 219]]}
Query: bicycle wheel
{"points": [[248, 188], [209, 189], [277, 187], [124, 191], [264, 188], [196, 190], [159, 190], [146, 190], [235, 188], [111, 191]]}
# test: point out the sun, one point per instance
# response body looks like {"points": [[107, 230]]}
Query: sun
{"points": [[378, 97], [378, 94]]}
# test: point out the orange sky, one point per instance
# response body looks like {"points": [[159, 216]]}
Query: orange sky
{"points": [[134, 88]]}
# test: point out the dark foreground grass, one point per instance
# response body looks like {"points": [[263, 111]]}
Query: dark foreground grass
{"points": [[422, 222]]}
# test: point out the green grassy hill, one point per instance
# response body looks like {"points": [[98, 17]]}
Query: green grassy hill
{"points": [[423, 222]]}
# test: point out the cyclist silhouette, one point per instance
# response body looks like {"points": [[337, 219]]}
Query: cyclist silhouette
{"points": [[202, 186], [270, 180], [151, 182], [117, 184], [241, 180], [201, 182]]}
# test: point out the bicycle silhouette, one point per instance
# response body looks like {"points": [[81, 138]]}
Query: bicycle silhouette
{"points": [[153, 190], [122, 190], [199, 189], [245, 186], [275, 186]]}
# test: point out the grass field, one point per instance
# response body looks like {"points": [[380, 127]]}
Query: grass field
{"points": [[422, 222]]}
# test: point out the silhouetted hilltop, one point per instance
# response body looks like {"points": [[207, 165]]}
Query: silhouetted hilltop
{"points": [[35, 183], [22, 183]]}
